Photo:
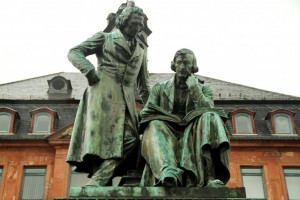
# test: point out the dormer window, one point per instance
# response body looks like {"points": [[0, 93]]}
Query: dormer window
{"points": [[282, 121], [243, 121], [59, 85], [42, 121], [7, 120]]}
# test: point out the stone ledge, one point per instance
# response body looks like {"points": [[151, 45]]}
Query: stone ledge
{"points": [[157, 193]]}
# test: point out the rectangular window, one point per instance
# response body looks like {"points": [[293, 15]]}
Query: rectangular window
{"points": [[33, 184], [253, 181], [1, 170], [292, 181], [78, 179]]}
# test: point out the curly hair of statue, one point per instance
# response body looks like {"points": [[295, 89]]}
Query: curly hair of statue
{"points": [[183, 52], [121, 20]]}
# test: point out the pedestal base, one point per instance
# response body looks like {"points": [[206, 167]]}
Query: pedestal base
{"points": [[157, 193]]}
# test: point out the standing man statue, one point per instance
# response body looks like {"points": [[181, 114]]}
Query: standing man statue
{"points": [[105, 128], [184, 141]]}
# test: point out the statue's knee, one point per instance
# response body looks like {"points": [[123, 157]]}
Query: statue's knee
{"points": [[156, 124], [211, 115], [207, 114]]}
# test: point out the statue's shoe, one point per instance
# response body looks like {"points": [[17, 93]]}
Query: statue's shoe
{"points": [[169, 180], [96, 183], [215, 183], [92, 182]]}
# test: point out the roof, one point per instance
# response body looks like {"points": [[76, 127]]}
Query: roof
{"points": [[33, 93], [37, 88], [66, 111]]}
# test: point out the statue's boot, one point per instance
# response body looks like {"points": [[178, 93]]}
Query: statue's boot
{"points": [[104, 174], [171, 176], [215, 183], [169, 180]]}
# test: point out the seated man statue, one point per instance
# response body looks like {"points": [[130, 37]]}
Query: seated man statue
{"points": [[185, 141]]}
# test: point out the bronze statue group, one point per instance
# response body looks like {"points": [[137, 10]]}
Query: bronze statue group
{"points": [[184, 142]]}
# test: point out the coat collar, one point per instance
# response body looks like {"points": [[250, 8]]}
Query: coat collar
{"points": [[120, 40], [169, 91]]}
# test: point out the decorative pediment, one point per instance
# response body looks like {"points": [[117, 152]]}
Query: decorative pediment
{"points": [[67, 134], [63, 134]]}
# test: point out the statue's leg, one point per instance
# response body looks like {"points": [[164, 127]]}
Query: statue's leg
{"points": [[213, 134], [209, 171], [159, 147], [105, 171]]}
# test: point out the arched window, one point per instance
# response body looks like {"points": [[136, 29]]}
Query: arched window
{"points": [[42, 120], [282, 121], [7, 119], [242, 121], [5, 122]]}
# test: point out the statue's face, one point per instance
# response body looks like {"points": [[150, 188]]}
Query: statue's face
{"points": [[183, 65], [135, 23]]}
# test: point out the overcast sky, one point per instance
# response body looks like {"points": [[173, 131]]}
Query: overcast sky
{"points": [[250, 42]]}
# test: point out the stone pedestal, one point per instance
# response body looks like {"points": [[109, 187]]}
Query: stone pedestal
{"points": [[155, 193]]}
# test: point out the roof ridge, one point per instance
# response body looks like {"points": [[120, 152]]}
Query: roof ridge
{"points": [[27, 79], [234, 89], [237, 84], [250, 87]]}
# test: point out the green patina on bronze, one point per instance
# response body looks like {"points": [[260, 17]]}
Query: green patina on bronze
{"points": [[184, 139], [157, 192], [106, 124], [184, 142]]}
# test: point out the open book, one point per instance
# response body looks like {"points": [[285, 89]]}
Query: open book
{"points": [[154, 112]]}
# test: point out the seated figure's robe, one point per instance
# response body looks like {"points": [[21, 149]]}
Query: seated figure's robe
{"points": [[183, 149]]}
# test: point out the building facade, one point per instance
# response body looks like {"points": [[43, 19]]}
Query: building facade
{"points": [[37, 115]]}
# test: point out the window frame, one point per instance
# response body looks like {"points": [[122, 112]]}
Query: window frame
{"points": [[53, 116], [288, 174], [1, 175], [250, 113], [24, 174], [72, 172], [262, 175], [14, 115], [271, 117]]}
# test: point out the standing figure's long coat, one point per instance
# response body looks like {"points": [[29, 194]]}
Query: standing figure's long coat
{"points": [[99, 125]]}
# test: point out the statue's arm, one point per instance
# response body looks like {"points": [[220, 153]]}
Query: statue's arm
{"points": [[77, 55], [201, 94], [154, 97], [143, 81]]}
